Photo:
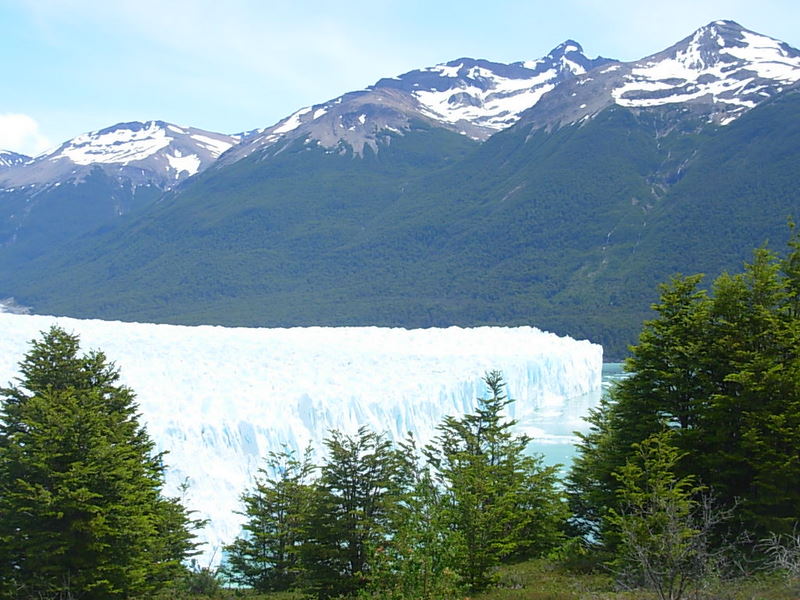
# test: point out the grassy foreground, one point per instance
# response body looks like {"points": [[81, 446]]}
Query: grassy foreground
{"points": [[544, 580], [547, 580]]}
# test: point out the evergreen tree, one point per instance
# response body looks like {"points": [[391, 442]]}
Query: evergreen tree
{"points": [[418, 559], [668, 387], [723, 372], [360, 481], [267, 556], [749, 448], [81, 509], [662, 540], [500, 502]]}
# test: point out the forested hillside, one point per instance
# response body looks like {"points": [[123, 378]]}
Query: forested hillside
{"points": [[686, 486], [569, 230]]}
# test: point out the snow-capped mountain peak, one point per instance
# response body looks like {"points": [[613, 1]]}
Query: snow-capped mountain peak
{"points": [[490, 96], [721, 63], [473, 97], [151, 152], [127, 143], [718, 72], [570, 56], [10, 159]]}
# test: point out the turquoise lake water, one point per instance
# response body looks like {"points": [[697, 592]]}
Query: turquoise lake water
{"points": [[552, 427]]}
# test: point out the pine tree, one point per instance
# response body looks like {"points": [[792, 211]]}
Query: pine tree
{"points": [[723, 372], [662, 538], [669, 388], [267, 557], [500, 501], [417, 560], [752, 423], [81, 509]]}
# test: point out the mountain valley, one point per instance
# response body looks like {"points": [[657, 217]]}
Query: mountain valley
{"points": [[556, 193]]}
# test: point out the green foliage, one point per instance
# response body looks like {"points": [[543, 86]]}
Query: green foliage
{"points": [[33, 224], [194, 582], [549, 580], [81, 510], [267, 556], [722, 371], [320, 536], [499, 502], [592, 216], [666, 388], [659, 539], [359, 482], [417, 560], [384, 522]]}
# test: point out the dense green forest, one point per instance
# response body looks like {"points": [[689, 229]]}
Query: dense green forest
{"points": [[686, 486], [569, 230]]}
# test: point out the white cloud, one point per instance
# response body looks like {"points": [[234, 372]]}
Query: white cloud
{"points": [[20, 133]]}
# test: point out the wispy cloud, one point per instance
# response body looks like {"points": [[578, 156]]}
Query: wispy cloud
{"points": [[20, 133], [290, 45]]}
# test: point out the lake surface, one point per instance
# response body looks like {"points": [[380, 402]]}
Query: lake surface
{"points": [[553, 427]]}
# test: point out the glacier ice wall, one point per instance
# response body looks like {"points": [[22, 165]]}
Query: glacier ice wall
{"points": [[218, 399]]}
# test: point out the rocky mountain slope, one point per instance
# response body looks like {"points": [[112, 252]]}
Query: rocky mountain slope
{"points": [[567, 219], [151, 153], [10, 159], [91, 180], [472, 97], [719, 72]]}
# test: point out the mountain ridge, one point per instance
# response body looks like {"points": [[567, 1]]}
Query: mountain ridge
{"points": [[150, 152], [718, 72], [473, 97], [478, 97], [11, 159], [566, 220]]}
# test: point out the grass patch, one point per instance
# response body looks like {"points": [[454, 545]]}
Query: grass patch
{"points": [[547, 580]]}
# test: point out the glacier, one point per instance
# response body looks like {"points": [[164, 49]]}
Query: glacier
{"points": [[218, 399]]}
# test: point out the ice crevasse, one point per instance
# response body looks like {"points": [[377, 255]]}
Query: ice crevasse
{"points": [[219, 399]]}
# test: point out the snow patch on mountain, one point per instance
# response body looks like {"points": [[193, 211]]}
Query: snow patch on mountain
{"points": [[292, 122], [493, 95], [450, 71], [10, 159], [767, 57], [476, 98], [114, 146], [183, 164], [717, 74], [219, 399], [215, 146], [149, 153], [721, 63], [495, 106], [124, 145]]}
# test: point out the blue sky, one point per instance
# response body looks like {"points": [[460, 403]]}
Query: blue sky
{"points": [[73, 66]]}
